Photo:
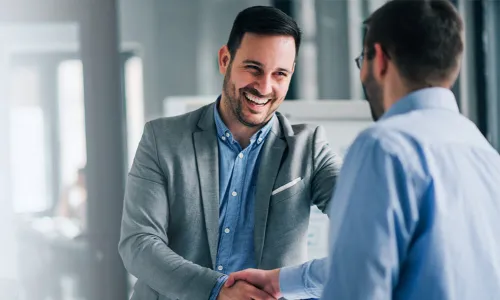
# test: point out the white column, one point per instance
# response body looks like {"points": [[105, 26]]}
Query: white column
{"points": [[106, 144], [355, 34], [467, 79], [307, 87]]}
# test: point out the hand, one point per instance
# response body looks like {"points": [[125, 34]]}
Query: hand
{"points": [[243, 291], [268, 281]]}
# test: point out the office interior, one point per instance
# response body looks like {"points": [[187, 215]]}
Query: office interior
{"points": [[79, 79]]}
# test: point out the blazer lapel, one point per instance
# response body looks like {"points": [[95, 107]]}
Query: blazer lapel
{"points": [[270, 161], [207, 161]]}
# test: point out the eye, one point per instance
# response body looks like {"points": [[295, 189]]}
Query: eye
{"points": [[282, 74], [253, 68]]}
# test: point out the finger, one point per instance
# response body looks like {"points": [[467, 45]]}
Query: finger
{"points": [[230, 281], [233, 277]]}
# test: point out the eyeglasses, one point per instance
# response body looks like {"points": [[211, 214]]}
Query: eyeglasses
{"points": [[370, 54], [359, 60]]}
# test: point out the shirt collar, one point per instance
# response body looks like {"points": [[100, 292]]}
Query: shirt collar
{"points": [[225, 134], [427, 98]]}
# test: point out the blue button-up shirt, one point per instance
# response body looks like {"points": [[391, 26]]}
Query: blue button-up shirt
{"points": [[238, 170], [416, 211]]}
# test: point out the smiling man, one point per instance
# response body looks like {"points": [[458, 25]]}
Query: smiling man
{"points": [[229, 186]]}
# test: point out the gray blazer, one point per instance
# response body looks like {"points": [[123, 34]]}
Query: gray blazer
{"points": [[169, 231]]}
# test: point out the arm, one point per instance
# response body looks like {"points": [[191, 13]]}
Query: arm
{"points": [[326, 169], [217, 288], [144, 242], [372, 219], [304, 281], [307, 280]]}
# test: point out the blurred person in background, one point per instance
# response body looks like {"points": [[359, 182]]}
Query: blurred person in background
{"points": [[228, 186], [416, 213]]}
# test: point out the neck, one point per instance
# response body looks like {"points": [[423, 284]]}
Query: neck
{"points": [[240, 132], [396, 91]]}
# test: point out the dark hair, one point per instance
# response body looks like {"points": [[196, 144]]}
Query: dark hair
{"points": [[422, 37], [265, 20]]}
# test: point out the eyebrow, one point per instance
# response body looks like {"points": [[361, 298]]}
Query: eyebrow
{"points": [[254, 62]]}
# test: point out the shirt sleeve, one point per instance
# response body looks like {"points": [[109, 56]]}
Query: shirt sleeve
{"points": [[218, 286], [303, 281], [373, 214]]}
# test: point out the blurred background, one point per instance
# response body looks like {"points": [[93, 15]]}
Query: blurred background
{"points": [[79, 78]]}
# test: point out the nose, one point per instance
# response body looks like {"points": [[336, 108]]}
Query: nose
{"points": [[265, 85]]}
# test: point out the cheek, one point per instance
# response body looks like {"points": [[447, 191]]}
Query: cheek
{"points": [[362, 73], [282, 89], [241, 80]]}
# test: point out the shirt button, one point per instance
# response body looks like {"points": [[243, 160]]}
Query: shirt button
{"points": [[227, 134], [259, 140], [220, 268], [234, 194], [223, 138], [241, 155], [227, 230]]}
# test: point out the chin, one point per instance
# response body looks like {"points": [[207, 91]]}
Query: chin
{"points": [[252, 122]]}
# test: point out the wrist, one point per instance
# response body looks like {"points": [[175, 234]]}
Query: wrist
{"points": [[275, 282], [219, 286]]}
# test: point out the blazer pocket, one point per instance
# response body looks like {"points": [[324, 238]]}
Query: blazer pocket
{"points": [[287, 190]]}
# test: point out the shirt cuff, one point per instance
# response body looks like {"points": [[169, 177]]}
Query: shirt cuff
{"points": [[291, 282], [218, 286]]}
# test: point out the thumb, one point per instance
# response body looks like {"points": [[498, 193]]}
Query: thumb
{"points": [[230, 281], [233, 277]]}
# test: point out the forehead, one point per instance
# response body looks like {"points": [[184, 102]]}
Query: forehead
{"points": [[270, 50]]}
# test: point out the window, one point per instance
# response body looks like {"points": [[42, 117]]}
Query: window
{"points": [[30, 190], [71, 120], [134, 104]]}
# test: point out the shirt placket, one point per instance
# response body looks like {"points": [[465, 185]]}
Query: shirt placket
{"points": [[235, 191]]}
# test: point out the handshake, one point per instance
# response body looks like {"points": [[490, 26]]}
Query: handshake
{"points": [[252, 284]]}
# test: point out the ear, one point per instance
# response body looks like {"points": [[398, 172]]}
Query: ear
{"points": [[224, 58], [380, 63], [293, 68]]}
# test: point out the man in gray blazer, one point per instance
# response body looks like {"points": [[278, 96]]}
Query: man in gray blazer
{"points": [[230, 185]]}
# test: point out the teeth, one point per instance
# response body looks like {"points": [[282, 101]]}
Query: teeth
{"points": [[256, 100]]}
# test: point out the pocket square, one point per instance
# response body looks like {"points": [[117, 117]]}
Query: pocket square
{"points": [[286, 186]]}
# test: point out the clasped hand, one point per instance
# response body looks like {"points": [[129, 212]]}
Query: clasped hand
{"points": [[251, 284]]}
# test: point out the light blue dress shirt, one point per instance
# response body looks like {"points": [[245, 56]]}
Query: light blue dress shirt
{"points": [[238, 169], [416, 211]]}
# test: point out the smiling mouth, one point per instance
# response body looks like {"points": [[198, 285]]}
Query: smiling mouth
{"points": [[256, 100]]}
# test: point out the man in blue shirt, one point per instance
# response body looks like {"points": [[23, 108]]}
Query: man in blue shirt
{"points": [[416, 211]]}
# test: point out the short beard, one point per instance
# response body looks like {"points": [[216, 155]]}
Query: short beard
{"points": [[374, 95], [233, 102]]}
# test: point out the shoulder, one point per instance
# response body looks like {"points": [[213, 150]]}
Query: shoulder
{"points": [[300, 131], [380, 142], [389, 140], [187, 121]]}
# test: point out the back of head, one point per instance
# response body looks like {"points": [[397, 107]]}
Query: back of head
{"points": [[422, 37], [262, 20]]}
